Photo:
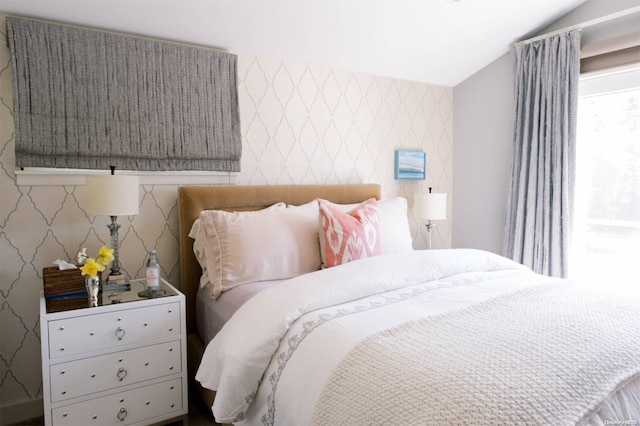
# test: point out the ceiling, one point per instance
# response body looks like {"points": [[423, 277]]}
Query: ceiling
{"points": [[434, 41]]}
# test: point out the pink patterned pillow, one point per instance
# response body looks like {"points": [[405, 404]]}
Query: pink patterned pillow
{"points": [[349, 236]]}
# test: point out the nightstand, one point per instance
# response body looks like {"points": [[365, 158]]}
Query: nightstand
{"points": [[122, 362]]}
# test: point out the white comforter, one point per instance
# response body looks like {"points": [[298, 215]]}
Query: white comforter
{"points": [[271, 361]]}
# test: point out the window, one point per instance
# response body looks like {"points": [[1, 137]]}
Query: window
{"points": [[606, 233]]}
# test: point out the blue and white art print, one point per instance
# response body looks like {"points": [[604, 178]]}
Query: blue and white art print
{"points": [[411, 165]]}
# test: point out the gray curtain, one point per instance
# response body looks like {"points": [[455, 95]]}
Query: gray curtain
{"points": [[540, 202], [90, 99]]}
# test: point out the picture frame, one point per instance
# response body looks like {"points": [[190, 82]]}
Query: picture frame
{"points": [[410, 165]]}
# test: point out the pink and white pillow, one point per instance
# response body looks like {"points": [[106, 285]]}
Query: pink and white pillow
{"points": [[395, 233], [349, 236]]}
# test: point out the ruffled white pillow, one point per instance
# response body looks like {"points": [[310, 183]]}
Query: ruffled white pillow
{"points": [[270, 244]]}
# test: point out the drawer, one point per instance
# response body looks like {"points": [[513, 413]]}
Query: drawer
{"points": [[123, 408], [86, 376], [112, 329]]}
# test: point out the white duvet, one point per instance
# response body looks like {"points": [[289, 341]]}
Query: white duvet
{"points": [[272, 360]]}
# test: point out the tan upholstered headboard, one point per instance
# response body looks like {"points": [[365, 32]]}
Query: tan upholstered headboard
{"points": [[194, 199]]}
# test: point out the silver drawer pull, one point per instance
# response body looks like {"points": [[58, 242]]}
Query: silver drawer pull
{"points": [[171, 387], [120, 333], [62, 372], [146, 364], [91, 333], [172, 405], [95, 417], [146, 403], [93, 375], [170, 349], [64, 414], [146, 324], [122, 414], [62, 348], [64, 392], [61, 328], [171, 368], [121, 374], [170, 310]]}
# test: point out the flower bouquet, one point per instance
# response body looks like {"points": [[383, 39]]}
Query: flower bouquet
{"points": [[90, 269]]}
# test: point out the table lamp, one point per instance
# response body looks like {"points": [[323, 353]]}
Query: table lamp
{"points": [[430, 206], [113, 195]]}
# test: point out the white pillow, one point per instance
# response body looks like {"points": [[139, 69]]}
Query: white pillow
{"points": [[270, 244], [395, 233]]}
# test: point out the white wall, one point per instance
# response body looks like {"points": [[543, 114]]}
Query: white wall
{"points": [[483, 130]]}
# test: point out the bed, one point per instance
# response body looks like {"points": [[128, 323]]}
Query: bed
{"points": [[417, 337]]}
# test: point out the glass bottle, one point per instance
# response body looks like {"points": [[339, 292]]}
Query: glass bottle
{"points": [[153, 273]]}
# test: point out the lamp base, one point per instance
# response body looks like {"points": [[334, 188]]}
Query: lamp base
{"points": [[430, 226], [116, 283]]}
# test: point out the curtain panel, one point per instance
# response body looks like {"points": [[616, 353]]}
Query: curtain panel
{"points": [[540, 202], [91, 99]]}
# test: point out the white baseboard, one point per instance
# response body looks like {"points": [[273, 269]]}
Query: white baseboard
{"points": [[10, 414]]}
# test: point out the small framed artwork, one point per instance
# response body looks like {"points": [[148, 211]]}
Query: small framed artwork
{"points": [[411, 165]]}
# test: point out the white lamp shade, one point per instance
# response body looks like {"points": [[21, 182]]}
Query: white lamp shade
{"points": [[430, 206], [112, 195]]}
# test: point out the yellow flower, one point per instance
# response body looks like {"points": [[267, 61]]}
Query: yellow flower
{"points": [[105, 255], [91, 267]]}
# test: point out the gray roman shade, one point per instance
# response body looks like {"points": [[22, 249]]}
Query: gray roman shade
{"points": [[90, 99]]}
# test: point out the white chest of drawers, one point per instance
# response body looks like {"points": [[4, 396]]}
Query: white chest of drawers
{"points": [[116, 364]]}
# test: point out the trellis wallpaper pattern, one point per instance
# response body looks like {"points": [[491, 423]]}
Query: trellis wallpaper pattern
{"points": [[300, 124]]}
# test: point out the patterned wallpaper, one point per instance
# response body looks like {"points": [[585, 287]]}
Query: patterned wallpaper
{"points": [[300, 124]]}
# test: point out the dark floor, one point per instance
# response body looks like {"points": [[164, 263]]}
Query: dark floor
{"points": [[199, 415]]}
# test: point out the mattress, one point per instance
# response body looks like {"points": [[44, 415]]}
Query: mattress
{"points": [[212, 314]]}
